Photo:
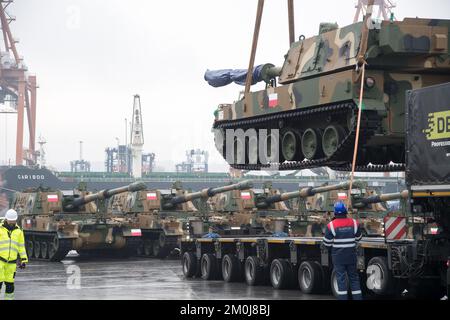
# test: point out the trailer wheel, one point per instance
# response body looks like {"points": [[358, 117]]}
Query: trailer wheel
{"points": [[310, 277], [189, 262], [254, 273], [334, 284], [209, 267], [281, 274], [231, 268], [380, 279]]}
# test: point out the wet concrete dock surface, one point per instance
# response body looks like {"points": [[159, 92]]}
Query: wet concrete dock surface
{"points": [[78, 278]]}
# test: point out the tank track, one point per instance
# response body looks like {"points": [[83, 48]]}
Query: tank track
{"points": [[170, 243], [64, 246], [369, 124]]}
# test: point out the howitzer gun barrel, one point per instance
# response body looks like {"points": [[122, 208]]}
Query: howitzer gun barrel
{"points": [[107, 193], [306, 192], [361, 203], [209, 192]]}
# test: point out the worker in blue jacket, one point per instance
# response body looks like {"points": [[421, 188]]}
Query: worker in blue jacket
{"points": [[342, 235]]}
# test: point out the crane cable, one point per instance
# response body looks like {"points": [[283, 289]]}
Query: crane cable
{"points": [[358, 125], [361, 64]]}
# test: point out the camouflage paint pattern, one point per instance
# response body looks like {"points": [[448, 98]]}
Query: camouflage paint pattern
{"points": [[87, 226], [322, 70]]}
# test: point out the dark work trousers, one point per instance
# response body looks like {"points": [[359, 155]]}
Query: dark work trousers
{"points": [[344, 271]]}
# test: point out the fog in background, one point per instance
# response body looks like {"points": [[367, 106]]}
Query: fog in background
{"points": [[92, 56]]}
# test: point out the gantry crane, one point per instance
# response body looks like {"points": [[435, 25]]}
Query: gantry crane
{"points": [[17, 87]]}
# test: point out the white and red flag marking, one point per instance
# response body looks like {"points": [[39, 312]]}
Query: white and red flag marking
{"points": [[273, 100], [152, 196], [245, 195], [342, 196], [136, 232], [52, 198]]}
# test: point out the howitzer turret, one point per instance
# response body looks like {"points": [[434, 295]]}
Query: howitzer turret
{"points": [[206, 193], [302, 193], [103, 194], [364, 202]]}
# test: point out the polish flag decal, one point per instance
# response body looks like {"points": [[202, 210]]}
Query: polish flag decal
{"points": [[136, 232], [245, 195], [342, 196], [273, 100], [52, 198], [152, 196]]}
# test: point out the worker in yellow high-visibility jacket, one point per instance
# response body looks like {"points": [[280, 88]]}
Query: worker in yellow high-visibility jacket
{"points": [[12, 252]]}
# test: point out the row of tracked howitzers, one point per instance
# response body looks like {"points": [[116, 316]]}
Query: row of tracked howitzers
{"points": [[134, 220]]}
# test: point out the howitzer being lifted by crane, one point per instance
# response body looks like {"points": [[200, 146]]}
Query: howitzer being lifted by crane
{"points": [[166, 216], [55, 222], [312, 116]]}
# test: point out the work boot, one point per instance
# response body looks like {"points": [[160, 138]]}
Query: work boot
{"points": [[9, 296]]}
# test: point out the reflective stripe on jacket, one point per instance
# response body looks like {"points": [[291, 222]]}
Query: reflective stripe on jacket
{"points": [[12, 245], [341, 235]]}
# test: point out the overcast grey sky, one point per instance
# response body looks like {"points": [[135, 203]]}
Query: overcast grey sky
{"points": [[92, 56]]}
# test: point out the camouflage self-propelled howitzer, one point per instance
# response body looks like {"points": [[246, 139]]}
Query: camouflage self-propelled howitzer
{"points": [[371, 211], [166, 216], [55, 222], [315, 106], [310, 215], [261, 211]]}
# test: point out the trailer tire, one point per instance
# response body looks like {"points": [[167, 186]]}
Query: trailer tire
{"points": [[254, 273], [231, 268], [209, 267], [281, 274], [334, 285], [386, 283], [189, 262], [310, 277]]}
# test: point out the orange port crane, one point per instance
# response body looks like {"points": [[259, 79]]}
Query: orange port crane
{"points": [[17, 87]]}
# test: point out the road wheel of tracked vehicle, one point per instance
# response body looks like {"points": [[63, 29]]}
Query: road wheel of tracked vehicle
{"points": [[281, 274], [273, 148], [254, 272], [310, 277], [52, 248], [158, 251], [291, 146], [159, 247], [148, 248], [44, 250], [312, 144], [209, 267], [36, 249], [189, 262], [140, 249], [332, 137], [30, 248], [251, 145], [239, 150], [231, 268]]}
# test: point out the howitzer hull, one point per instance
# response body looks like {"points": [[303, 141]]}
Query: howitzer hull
{"points": [[50, 241]]}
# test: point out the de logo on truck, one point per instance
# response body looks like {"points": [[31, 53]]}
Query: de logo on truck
{"points": [[438, 125]]}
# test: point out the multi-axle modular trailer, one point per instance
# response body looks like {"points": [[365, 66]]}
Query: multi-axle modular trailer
{"points": [[386, 267]]}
